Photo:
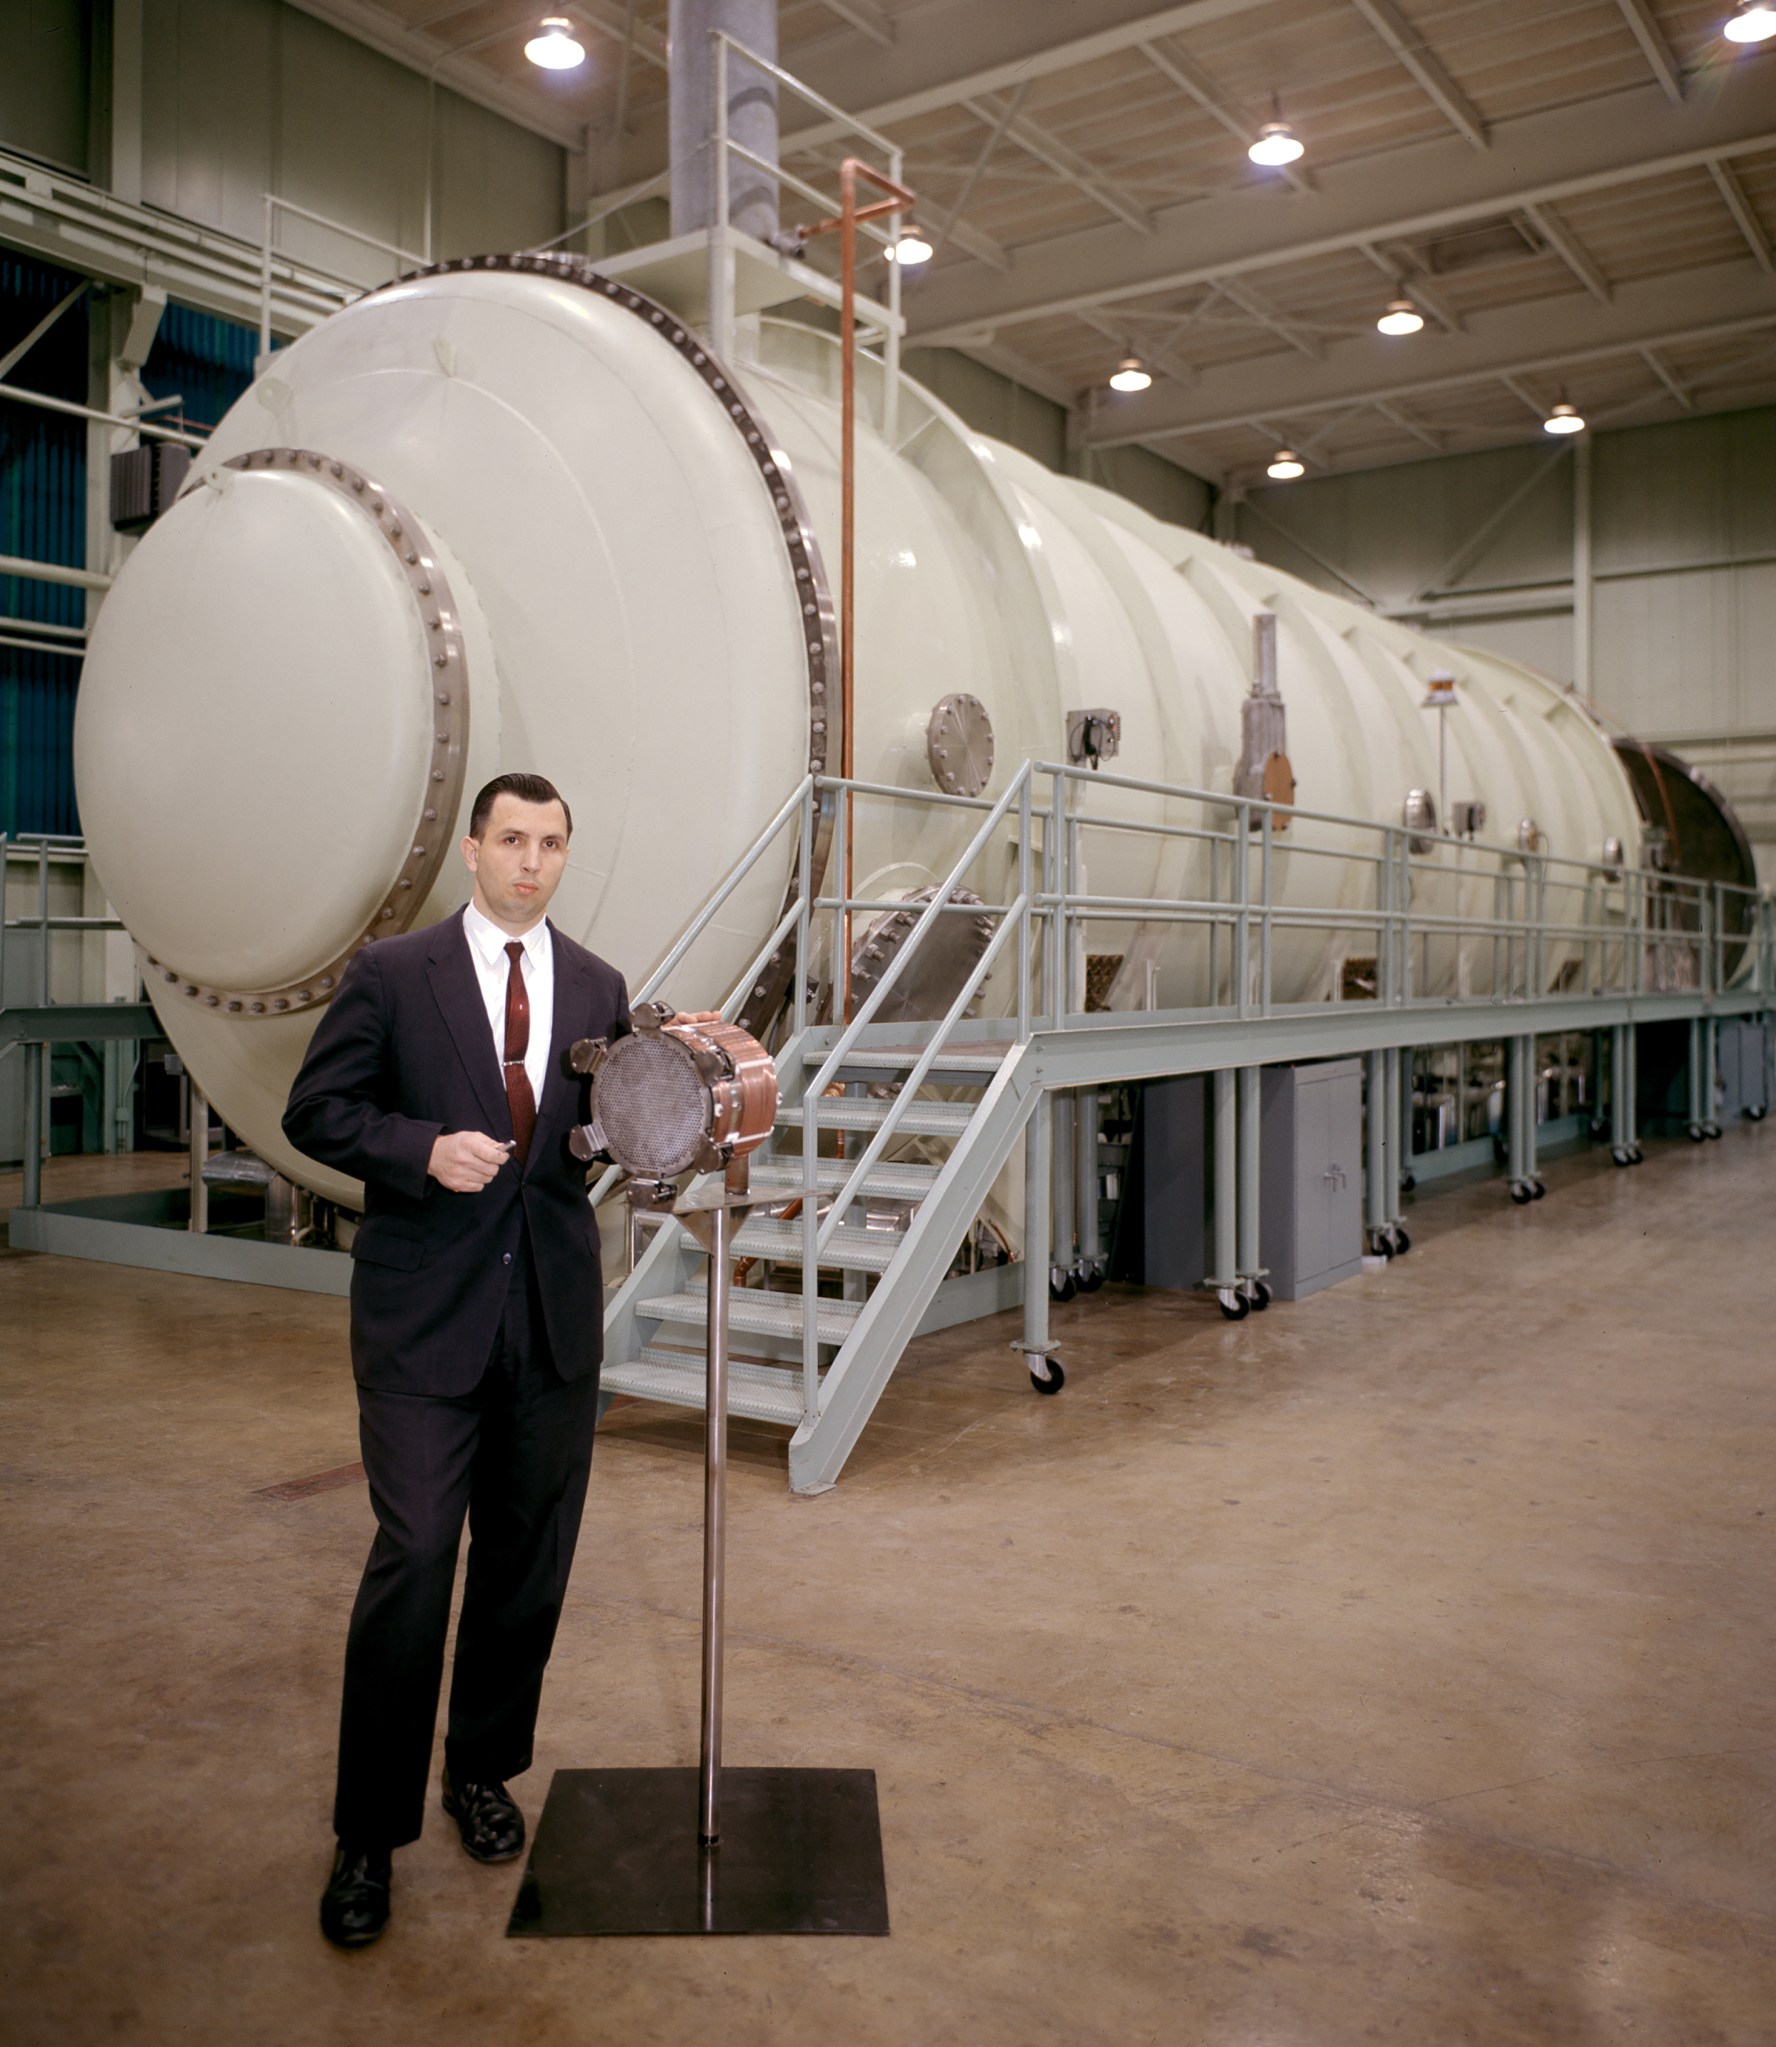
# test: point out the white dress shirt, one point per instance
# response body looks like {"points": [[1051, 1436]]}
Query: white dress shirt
{"points": [[487, 948]]}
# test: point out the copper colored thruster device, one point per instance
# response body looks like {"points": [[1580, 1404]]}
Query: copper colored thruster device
{"points": [[681, 1093]]}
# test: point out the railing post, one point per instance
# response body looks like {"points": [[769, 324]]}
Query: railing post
{"points": [[1266, 874], [805, 922], [1025, 826], [265, 281], [1242, 930], [720, 311]]}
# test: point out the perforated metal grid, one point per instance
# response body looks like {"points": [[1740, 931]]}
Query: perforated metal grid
{"points": [[654, 1106]]}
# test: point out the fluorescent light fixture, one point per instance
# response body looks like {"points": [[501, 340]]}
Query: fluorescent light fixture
{"points": [[1401, 317], [1286, 465], [1754, 23], [1564, 419], [912, 248], [1129, 375], [553, 46], [1277, 144]]}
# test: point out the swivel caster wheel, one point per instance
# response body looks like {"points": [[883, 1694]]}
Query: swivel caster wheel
{"points": [[1522, 1192], [1088, 1276], [1537, 1189], [1381, 1244], [1621, 1155], [1758, 1113], [1599, 1129], [1259, 1295], [1402, 1242], [1046, 1375], [1696, 1132], [1408, 1181], [1636, 1157], [1061, 1285], [1711, 1128], [1234, 1304]]}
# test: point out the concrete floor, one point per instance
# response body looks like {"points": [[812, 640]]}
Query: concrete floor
{"points": [[1396, 1666]]}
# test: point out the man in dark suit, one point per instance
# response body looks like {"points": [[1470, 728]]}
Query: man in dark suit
{"points": [[438, 1077]]}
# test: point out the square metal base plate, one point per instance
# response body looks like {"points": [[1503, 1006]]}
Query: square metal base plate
{"points": [[616, 1851]]}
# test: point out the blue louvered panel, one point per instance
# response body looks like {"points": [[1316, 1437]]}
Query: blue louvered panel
{"points": [[206, 361], [42, 517]]}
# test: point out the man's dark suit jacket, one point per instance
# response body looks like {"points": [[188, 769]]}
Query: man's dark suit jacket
{"points": [[402, 1055]]}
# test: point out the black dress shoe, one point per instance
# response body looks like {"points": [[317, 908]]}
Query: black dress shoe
{"points": [[492, 1827], [355, 1904]]}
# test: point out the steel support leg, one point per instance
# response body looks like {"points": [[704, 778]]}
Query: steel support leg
{"points": [[1085, 1185], [1710, 1059], [1376, 1165], [1060, 1181], [1620, 1121], [1037, 1238], [1392, 1062], [1516, 1127], [1226, 1273], [1698, 1113], [1251, 1271], [1531, 1091], [1631, 1090], [199, 1135], [35, 1059]]}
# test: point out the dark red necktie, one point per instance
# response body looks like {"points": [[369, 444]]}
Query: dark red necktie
{"points": [[518, 1089]]}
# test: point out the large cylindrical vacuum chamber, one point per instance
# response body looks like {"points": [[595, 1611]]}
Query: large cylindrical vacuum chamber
{"points": [[511, 515]]}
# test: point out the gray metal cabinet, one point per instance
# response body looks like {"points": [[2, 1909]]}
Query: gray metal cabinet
{"points": [[1743, 1063], [1311, 1175]]}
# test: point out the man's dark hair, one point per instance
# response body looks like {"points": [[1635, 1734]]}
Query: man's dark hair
{"points": [[527, 789]]}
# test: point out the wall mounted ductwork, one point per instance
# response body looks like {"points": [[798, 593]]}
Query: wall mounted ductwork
{"points": [[511, 513]]}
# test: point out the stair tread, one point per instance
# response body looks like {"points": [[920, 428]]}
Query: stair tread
{"points": [[902, 1179], [751, 1308], [857, 1250], [760, 1392], [974, 1060], [921, 1119]]}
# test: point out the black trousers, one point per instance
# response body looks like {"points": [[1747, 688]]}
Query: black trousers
{"points": [[513, 1457]]}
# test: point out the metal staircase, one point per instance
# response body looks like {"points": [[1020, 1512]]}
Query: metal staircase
{"points": [[851, 1246]]}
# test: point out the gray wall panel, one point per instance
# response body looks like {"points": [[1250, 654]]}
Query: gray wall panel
{"points": [[1684, 546], [44, 68], [245, 96]]}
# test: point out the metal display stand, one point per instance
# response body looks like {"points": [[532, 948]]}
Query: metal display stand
{"points": [[707, 1850]]}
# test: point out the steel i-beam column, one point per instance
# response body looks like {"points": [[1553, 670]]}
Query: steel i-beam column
{"points": [[1226, 1180], [1375, 1175], [1618, 1098], [1085, 1167], [35, 1061], [1037, 1216], [1250, 1268], [1061, 1188], [1698, 1114]]}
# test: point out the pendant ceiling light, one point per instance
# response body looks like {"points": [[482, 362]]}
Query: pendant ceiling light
{"points": [[911, 249], [1755, 22], [1401, 317], [554, 47], [1129, 375], [1286, 465], [1277, 144], [1564, 419]]}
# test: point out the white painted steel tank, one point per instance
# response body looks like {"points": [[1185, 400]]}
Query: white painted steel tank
{"points": [[511, 515]]}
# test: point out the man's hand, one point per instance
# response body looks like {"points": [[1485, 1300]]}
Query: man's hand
{"points": [[466, 1160]]}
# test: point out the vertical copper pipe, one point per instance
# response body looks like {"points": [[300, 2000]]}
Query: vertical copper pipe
{"points": [[847, 548]]}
